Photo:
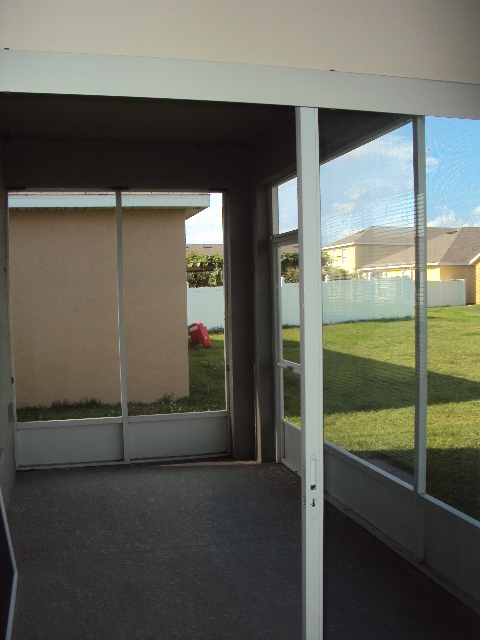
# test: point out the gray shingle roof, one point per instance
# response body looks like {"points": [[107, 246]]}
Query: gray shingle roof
{"points": [[444, 245], [378, 235]]}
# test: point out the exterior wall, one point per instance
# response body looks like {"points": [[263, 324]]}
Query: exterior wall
{"points": [[466, 273], [64, 305], [338, 255], [415, 39], [156, 333], [401, 273], [433, 274]]}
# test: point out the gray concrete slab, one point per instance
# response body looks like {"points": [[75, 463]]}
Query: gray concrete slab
{"points": [[202, 551]]}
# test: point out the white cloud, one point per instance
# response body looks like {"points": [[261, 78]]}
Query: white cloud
{"points": [[431, 161], [343, 207], [355, 194], [206, 226], [476, 211], [391, 145], [447, 219]]}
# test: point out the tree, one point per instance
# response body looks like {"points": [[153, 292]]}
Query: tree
{"points": [[204, 270], [334, 273], [289, 266]]}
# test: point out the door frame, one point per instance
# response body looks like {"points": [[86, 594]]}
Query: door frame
{"points": [[120, 439]]}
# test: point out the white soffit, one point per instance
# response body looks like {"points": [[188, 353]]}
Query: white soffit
{"points": [[192, 203], [105, 75]]}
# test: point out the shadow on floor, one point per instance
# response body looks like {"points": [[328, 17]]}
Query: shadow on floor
{"points": [[208, 551]]}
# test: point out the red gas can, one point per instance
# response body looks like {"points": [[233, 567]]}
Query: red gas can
{"points": [[199, 334]]}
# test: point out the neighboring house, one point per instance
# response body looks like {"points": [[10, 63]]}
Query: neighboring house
{"points": [[452, 254], [64, 296], [205, 249]]}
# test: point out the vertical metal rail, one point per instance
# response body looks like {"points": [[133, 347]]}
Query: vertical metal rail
{"points": [[421, 317], [228, 320], [121, 326], [13, 411], [311, 359], [13, 593], [277, 324]]}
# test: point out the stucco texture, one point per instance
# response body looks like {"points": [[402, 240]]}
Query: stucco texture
{"points": [[155, 304], [65, 311]]}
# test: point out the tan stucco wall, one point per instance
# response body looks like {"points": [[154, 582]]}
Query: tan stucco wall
{"points": [[64, 305], [155, 288], [432, 39], [466, 273]]}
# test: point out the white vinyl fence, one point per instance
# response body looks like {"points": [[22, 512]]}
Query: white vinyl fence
{"points": [[343, 300], [205, 305], [446, 293]]}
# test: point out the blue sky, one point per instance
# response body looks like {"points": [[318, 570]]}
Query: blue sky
{"points": [[374, 183], [206, 226]]}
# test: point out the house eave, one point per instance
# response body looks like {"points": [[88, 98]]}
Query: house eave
{"points": [[412, 266]]}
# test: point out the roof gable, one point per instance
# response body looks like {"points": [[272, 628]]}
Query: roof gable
{"points": [[444, 245]]}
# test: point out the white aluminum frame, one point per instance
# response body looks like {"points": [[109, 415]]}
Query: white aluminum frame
{"points": [[311, 361], [141, 77], [13, 594], [121, 325], [65, 73], [310, 369], [421, 326], [105, 441], [278, 241]]}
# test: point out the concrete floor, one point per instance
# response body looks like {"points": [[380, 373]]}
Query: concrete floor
{"points": [[203, 551]]}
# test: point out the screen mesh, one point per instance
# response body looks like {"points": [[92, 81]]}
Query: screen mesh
{"points": [[368, 262]]}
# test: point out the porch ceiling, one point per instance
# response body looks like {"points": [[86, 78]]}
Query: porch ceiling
{"points": [[112, 119]]}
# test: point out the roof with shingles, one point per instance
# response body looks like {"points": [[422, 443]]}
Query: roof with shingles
{"points": [[378, 235], [204, 249], [444, 245]]}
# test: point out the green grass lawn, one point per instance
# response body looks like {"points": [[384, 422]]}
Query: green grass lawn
{"points": [[207, 392], [369, 380], [369, 387]]}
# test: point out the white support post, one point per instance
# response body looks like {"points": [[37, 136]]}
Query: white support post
{"points": [[277, 323], [311, 360], [121, 326], [421, 317]]}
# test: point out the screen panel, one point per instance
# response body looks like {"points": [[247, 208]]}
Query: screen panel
{"points": [[63, 290], [368, 265], [453, 281]]}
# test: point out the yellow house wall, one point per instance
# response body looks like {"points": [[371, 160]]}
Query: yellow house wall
{"points": [[434, 274], [64, 305], [337, 258], [466, 273], [398, 273], [418, 39], [477, 283]]}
